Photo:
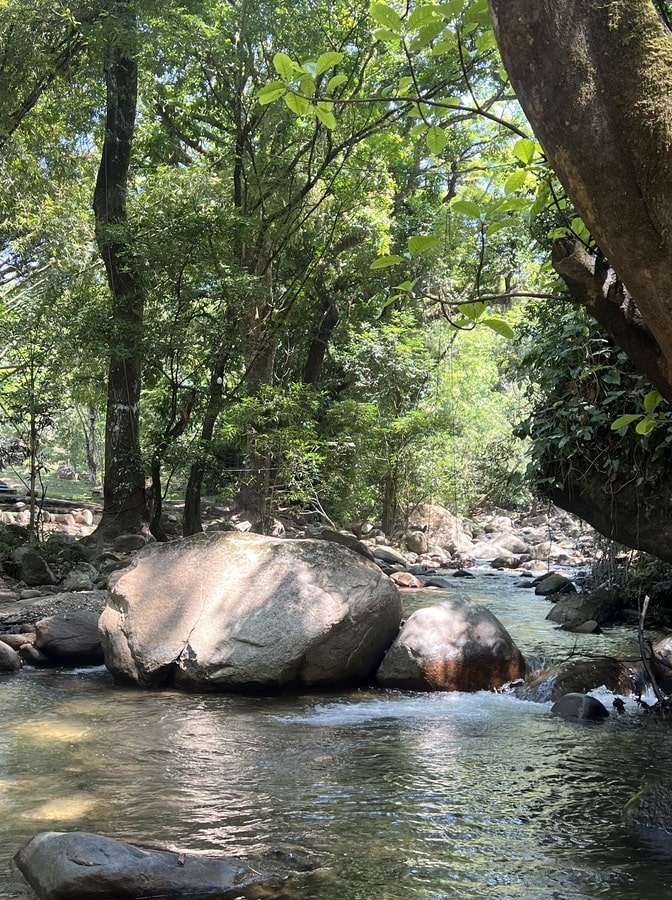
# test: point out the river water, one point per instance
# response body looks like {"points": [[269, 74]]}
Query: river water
{"points": [[391, 795]]}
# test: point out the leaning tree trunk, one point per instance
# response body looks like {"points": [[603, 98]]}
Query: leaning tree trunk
{"points": [[594, 78], [124, 484]]}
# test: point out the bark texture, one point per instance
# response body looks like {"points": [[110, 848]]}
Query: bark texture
{"points": [[124, 486], [594, 78]]}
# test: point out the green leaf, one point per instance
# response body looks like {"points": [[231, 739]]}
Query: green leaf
{"points": [[646, 426], [421, 243], [486, 41], [472, 311], [327, 61], [502, 223], [452, 8], [524, 149], [298, 105], [384, 34], [446, 45], [541, 200], [307, 85], [420, 16], [624, 421], [335, 81], [466, 208], [436, 139], [271, 92], [515, 181], [478, 13], [426, 35], [452, 103], [418, 130], [499, 325], [383, 262], [385, 16], [406, 286], [284, 66], [652, 400], [326, 116]]}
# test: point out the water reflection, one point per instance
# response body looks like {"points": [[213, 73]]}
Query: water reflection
{"points": [[394, 795]]}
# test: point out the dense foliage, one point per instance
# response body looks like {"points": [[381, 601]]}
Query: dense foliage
{"points": [[315, 231]]}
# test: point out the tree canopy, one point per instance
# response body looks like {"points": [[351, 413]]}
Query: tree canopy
{"points": [[277, 240]]}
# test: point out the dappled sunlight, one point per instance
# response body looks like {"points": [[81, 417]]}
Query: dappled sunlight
{"points": [[61, 731], [68, 808]]}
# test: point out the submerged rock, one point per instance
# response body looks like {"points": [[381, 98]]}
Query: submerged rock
{"points": [[578, 677], [554, 584]]}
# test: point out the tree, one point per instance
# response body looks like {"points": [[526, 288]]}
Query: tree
{"points": [[594, 80], [124, 486]]}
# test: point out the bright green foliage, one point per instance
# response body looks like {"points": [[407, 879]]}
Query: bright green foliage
{"points": [[315, 191], [582, 388], [647, 420]]}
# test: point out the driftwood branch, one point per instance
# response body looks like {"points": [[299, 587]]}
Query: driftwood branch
{"points": [[647, 654]]}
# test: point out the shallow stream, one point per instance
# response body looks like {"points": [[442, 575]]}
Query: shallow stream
{"points": [[393, 795]]}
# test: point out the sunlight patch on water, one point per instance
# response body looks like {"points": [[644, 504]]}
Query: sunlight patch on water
{"points": [[62, 809], [53, 732]]}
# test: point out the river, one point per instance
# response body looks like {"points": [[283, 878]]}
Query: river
{"points": [[392, 795]]}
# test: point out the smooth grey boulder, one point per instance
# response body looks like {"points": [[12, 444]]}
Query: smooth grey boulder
{"points": [[82, 866], [224, 610], [457, 645], [554, 583], [70, 639], [10, 661], [579, 706]]}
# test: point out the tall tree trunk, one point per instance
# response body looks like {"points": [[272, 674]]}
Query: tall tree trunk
{"points": [[312, 372], [254, 492], [191, 519], [89, 433], [595, 81], [124, 506]]}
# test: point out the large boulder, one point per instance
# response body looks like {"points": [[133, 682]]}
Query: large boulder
{"points": [[33, 568], [443, 529], [457, 645], [10, 661], [573, 610], [224, 610], [70, 639], [79, 866]]}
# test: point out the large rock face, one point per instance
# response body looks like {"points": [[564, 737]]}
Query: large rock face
{"points": [[457, 645], [652, 807], [224, 610]]}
